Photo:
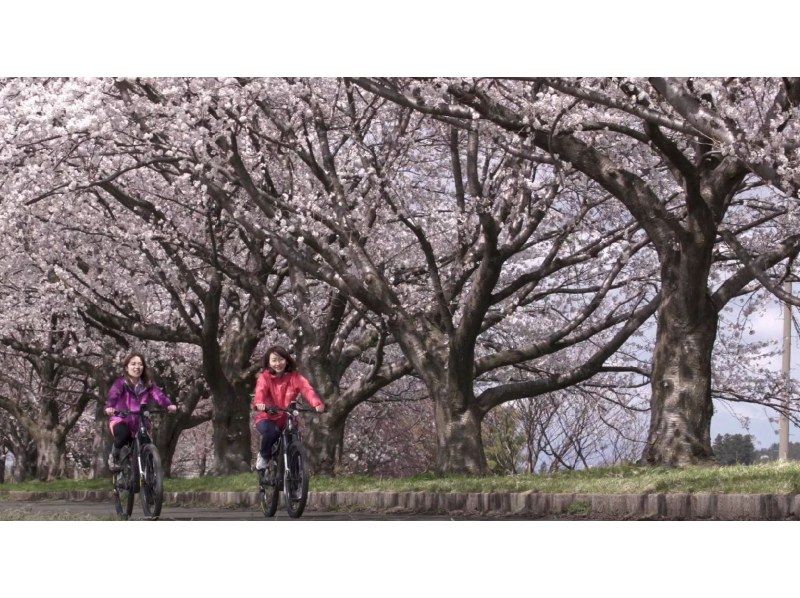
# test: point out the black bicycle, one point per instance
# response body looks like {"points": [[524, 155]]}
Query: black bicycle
{"points": [[140, 470], [286, 470]]}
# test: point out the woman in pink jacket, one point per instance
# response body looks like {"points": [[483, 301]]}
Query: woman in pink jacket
{"points": [[278, 385], [128, 393]]}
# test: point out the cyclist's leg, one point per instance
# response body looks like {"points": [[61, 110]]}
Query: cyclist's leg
{"points": [[122, 436], [269, 434]]}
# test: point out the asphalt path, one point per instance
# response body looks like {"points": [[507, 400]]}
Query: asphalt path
{"points": [[48, 510]]}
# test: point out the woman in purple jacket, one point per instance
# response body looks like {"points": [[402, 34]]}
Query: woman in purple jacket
{"points": [[128, 393]]}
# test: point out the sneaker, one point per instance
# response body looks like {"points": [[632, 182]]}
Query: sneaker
{"points": [[261, 462]]}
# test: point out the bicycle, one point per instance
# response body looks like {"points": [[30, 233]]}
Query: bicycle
{"points": [[145, 473], [286, 469]]}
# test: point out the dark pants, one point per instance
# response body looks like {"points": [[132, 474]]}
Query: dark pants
{"points": [[122, 436], [269, 434]]}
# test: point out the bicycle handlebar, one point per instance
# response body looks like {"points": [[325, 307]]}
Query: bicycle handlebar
{"points": [[290, 411], [146, 409]]}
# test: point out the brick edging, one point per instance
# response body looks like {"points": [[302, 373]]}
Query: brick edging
{"points": [[531, 503]]}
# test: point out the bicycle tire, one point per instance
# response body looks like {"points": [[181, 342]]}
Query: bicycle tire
{"points": [[123, 495], [269, 494], [296, 486], [152, 492], [269, 500]]}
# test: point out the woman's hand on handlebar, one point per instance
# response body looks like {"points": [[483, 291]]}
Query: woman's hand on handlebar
{"points": [[172, 408], [261, 407], [109, 411], [320, 408]]}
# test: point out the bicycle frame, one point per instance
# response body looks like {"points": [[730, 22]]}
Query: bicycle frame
{"points": [[140, 472], [140, 439], [286, 471], [291, 431]]}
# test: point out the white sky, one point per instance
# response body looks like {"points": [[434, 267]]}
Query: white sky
{"points": [[767, 326]]}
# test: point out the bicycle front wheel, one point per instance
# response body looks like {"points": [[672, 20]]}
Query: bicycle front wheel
{"points": [[269, 500], [152, 493], [296, 487], [123, 493], [269, 488]]}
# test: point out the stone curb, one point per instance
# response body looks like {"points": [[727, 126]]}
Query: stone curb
{"points": [[676, 506]]}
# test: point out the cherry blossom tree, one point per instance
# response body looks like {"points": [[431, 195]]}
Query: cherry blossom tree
{"points": [[686, 190], [171, 284], [496, 239], [350, 190], [355, 177], [46, 401]]}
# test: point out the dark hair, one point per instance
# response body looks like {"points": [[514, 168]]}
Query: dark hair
{"points": [[290, 364], [145, 374]]}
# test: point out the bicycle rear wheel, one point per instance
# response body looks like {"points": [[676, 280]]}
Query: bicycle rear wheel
{"points": [[123, 493], [152, 493], [296, 487]]}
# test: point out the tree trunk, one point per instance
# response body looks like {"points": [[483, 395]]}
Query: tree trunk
{"points": [[166, 441], [323, 434], [231, 432], [231, 409], [459, 446], [681, 405], [24, 461], [324, 438], [49, 455], [102, 441], [168, 455], [202, 465]]}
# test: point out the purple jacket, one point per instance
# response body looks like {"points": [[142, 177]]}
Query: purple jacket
{"points": [[122, 397]]}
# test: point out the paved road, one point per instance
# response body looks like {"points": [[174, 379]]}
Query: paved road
{"points": [[90, 510]]}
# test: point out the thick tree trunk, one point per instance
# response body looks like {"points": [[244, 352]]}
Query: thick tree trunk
{"points": [[459, 446], [324, 437], [323, 434], [166, 440], [459, 441], [24, 461], [168, 454], [49, 456], [231, 432], [681, 405], [231, 409]]}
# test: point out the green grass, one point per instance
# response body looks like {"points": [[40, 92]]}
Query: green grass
{"points": [[754, 479]]}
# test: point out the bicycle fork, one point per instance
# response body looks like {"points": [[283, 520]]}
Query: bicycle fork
{"points": [[141, 469], [285, 463]]}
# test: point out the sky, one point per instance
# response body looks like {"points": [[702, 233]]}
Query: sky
{"points": [[767, 326]]}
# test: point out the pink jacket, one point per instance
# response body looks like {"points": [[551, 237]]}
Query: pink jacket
{"points": [[122, 397], [279, 391]]}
